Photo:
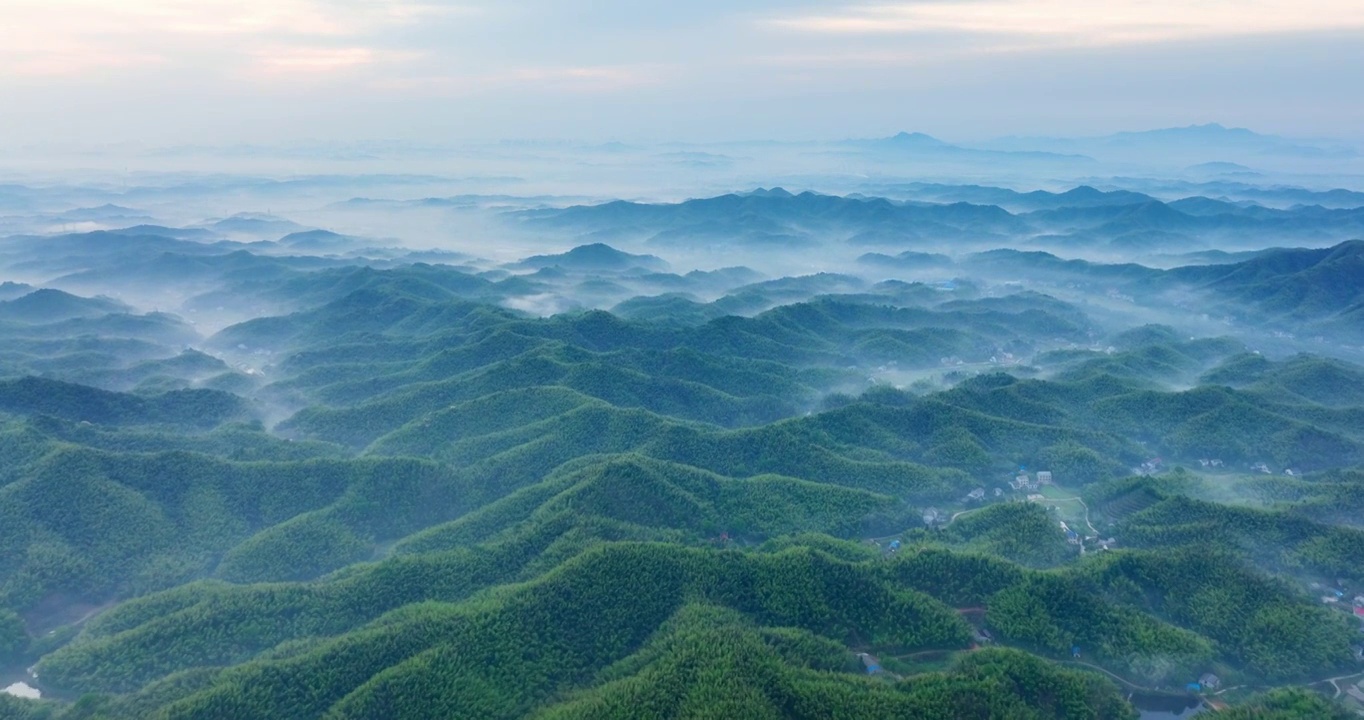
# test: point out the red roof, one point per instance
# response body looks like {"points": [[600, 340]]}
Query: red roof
{"points": [[1359, 611]]}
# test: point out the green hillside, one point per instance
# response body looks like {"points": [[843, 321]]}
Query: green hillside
{"points": [[392, 495]]}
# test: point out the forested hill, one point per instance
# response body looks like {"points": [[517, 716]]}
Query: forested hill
{"points": [[481, 514], [597, 484]]}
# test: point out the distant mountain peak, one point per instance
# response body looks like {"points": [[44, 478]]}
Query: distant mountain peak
{"points": [[916, 138], [597, 250], [776, 192], [1082, 191], [1211, 128], [1219, 129], [254, 216], [1219, 166], [596, 256]]}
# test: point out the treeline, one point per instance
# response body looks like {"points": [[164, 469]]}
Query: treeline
{"points": [[1025, 533], [1258, 623], [1288, 704], [500, 655], [93, 525], [724, 668], [1284, 539], [1051, 613], [187, 410], [1155, 616]]}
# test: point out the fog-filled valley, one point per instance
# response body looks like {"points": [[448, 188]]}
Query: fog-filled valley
{"points": [[1028, 428]]}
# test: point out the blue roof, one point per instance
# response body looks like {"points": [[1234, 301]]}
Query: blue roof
{"points": [[1194, 687], [873, 669]]}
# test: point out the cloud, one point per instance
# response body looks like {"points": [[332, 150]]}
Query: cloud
{"points": [[582, 78], [1019, 24], [543, 79], [77, 37], [312, 60], [205, 70]]}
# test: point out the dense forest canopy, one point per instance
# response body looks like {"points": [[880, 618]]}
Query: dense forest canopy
{"points": [[255, 469]]}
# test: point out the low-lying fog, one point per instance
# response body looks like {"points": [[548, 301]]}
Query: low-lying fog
{"points": [[1117, 238]]}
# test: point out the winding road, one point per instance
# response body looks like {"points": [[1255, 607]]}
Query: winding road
{"points": [[1334, 682]]}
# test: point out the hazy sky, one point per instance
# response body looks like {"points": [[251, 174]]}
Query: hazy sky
{"points": [[212, 71]]}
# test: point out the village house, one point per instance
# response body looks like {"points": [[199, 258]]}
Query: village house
{"points": [[976, 495], [1044, 477], [1210, 681], [870, 662]]}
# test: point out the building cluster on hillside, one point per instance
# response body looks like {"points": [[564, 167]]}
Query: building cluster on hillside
{"points": [[1210, 463], [889, 548], [1025, 482], [1206, 683], [1337, 597], [1150, 467], [1116, 294]]}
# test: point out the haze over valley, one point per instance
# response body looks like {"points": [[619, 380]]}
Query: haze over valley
{"points": [[1014, 414]]}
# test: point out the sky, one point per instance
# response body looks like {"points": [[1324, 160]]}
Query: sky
{"points": [[168, 72]]}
